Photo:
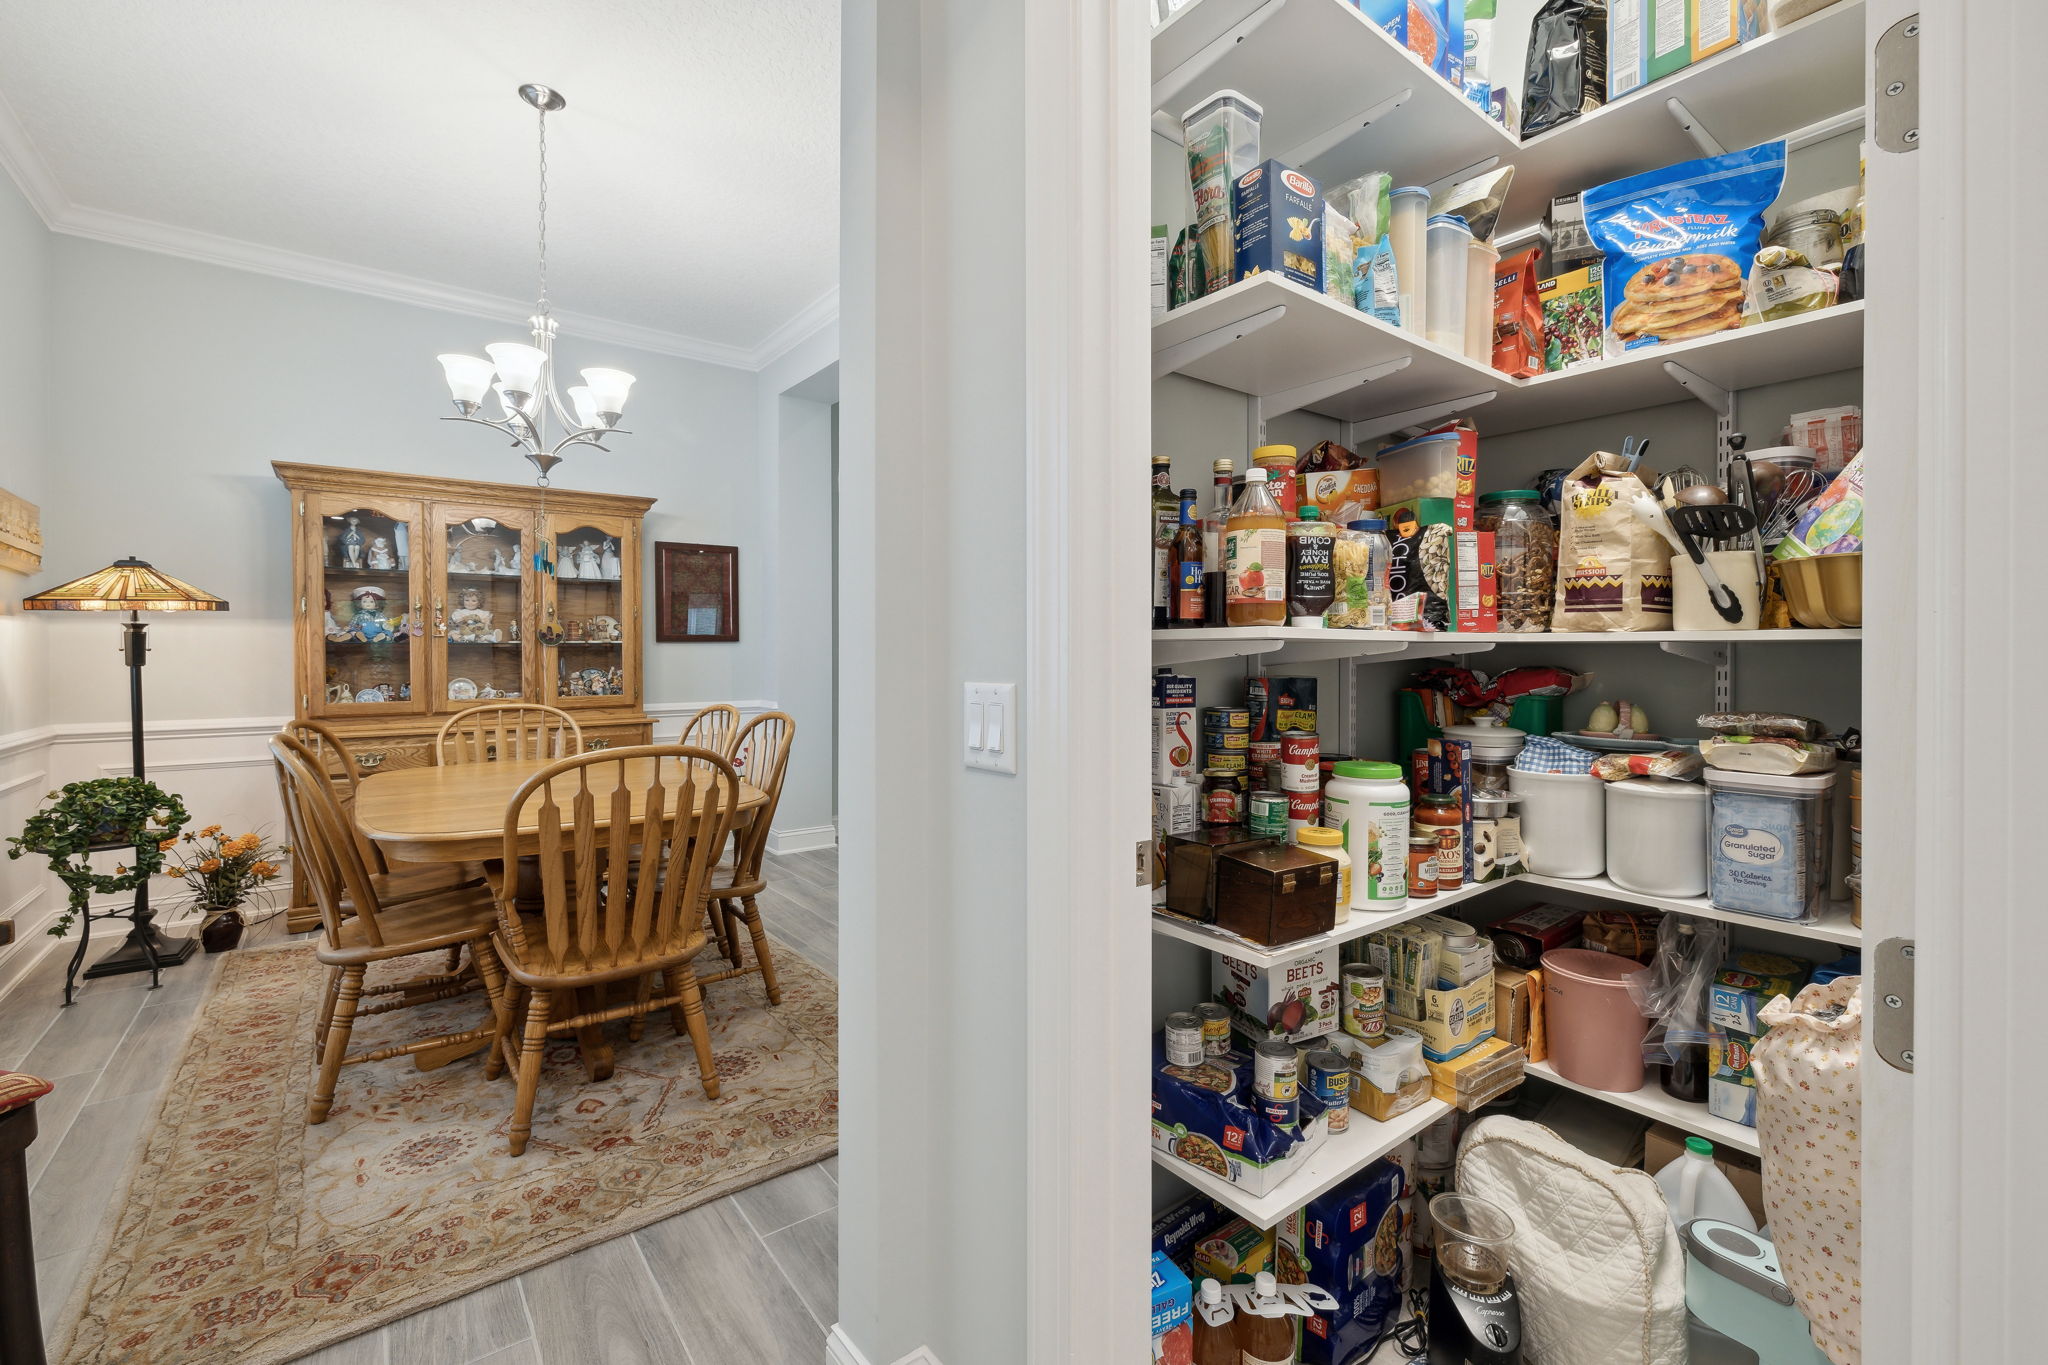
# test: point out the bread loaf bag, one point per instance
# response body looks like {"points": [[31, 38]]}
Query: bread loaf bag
{"points": [[1613, 570]]}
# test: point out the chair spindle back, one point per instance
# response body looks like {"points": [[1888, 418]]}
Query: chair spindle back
{"points": [[508, 730]]}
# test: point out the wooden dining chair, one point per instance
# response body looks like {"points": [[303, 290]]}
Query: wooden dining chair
{"points": [[509, 730], [714, 728], [361, 928], [761, 757], [606, 915]]}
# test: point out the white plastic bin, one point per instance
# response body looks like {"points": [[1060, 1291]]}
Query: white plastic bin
{"points": [[1407, 220], [1480, 260], [1657, 836], [1564, 823], [1449, 248], [1768, 843]]}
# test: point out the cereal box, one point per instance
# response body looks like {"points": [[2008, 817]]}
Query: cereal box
{"points": [[1278, 213], [1573, 320], [1296, 1000]]}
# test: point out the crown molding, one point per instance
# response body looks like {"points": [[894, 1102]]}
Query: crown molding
{"points": [[25, 165]]}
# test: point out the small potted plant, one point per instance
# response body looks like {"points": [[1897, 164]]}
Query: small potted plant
{"points": [[105, 813], [225, 873]]}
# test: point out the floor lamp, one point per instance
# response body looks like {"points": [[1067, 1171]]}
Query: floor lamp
{"points": [[131, 585]]}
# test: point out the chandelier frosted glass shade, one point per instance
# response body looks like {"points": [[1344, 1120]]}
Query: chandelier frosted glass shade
{"points": [[608, 390], [469, 379], [519, 365]]}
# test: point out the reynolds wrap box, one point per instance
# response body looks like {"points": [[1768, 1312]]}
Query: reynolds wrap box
{"points": [[1278, 213]]}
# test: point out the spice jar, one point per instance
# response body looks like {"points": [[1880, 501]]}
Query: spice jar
{"points": [[1421, 867], [1524, 555], [1442, 820]]}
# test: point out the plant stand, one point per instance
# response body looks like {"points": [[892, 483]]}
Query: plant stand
{"points": [[146, 950]]}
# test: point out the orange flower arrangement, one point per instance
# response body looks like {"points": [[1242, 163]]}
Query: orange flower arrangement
{"points": [[226, 872]]}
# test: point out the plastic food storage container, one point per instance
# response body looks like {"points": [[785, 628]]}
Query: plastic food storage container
{"points": [[1564, 823], [1524, 557], [1407, 222], [1426, 467], [1767, 843], [1493, 748], [1594, 1027], [1657, 836], [1221, 135], [1449, 245], [1480, 260]]}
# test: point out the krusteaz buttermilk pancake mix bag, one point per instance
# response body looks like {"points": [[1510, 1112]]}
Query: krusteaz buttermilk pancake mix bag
{"points": [[1677, 244]]}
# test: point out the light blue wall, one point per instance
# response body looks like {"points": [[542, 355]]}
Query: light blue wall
{"points": [[25, 282]]}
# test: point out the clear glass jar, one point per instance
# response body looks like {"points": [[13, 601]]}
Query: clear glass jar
{"points": [[1360, 560], [1524, 556]]}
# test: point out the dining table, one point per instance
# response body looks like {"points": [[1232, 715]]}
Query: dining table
{"points": [[456, 814]]}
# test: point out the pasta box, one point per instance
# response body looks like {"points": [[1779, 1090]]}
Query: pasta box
{"points": [[1296, 1000], [1276, 894], [1191, 860], [1278, 217]]}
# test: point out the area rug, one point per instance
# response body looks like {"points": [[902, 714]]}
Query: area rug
{"points": [[244, 1235]]}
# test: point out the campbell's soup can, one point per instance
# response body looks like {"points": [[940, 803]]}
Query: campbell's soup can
{"points": [[1184, 1040], [1303, 809], [1276, 1082], [1299, 755], [1269, 815], [1329, 1080], [1215, 1028]]}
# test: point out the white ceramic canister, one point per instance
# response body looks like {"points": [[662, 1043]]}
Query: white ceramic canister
{"points": [[1657, 836], [1693, 609], [1564, 823], [1369, 802]]}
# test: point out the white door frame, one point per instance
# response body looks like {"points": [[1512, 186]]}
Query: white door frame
{"points": [[1954, 1199]]}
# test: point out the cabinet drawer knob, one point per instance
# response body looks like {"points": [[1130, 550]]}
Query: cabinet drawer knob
{"points": [[370, 760], [591, 744]]}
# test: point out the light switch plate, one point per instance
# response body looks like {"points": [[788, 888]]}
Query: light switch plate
{"points": [[990, 726]]}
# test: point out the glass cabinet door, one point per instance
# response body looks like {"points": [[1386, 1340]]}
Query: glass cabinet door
{"points": [[481, 627], [366, 584], [592, 612]]}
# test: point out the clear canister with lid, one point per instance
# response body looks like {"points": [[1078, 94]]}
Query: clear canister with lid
{"points": [[1447, 250], [1361, 560], [1493, 748], [1481, 259], [1407, 231], [1524, 556], [1815, 234]]}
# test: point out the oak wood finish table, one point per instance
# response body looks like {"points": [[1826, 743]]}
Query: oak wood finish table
{"points": [[456, 814]]}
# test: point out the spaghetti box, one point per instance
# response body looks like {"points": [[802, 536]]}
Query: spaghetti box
{"points": [[1748, 982], [1173, 1301], [1719, 24], [1278, 213]]}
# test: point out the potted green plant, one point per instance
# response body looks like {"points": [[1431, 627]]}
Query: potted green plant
{"points": [[105, 813], [225, 873]]}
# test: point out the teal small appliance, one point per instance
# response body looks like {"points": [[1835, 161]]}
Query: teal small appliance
{"points": [[1739, 1309]]}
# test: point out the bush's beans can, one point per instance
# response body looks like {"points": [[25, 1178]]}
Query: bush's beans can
{"points": [[1303, 809], [1276, 1081], [1329, 1080], [1184, 1040], [1215, 1029], [1269, 815], [1265, 760], [1365, 1000], [1299, 754]]}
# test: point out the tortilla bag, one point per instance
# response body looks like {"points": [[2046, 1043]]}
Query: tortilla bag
{"points": [[1613, 571], [1676, 244]]}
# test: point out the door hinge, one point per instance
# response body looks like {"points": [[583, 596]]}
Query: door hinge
{"points": [[1889, 1003], [1144, 862], [1896, 103]]}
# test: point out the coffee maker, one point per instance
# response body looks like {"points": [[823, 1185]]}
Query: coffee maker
{"points": [[1474, 1317]]}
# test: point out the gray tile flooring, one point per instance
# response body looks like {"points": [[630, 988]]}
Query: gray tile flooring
{"points": [[751, 1278]]}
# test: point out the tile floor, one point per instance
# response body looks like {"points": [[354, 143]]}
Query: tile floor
{"points": [[751, 1278]]}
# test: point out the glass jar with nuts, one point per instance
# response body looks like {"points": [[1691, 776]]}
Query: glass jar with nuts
{"points": [[1525, 557]]}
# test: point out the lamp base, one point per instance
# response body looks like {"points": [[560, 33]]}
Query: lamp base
{"points": [[132, 956]]}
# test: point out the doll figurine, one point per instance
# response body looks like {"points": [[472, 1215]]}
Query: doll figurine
{"points": [[352, 546], [380, 554], [608, 563]]}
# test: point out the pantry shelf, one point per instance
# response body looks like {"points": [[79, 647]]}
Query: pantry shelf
{"points": [[1357, 925], [1339, 96], [1309, 644], [1834, 925], [1652, 1102], [1341, 1155], [1805, 73]]}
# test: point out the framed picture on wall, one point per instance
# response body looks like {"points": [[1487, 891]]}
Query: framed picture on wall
{"points": [[697, 593]]}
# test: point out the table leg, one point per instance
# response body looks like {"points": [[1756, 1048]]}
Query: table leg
{"points": [[597, 1052], [21, 1331]]}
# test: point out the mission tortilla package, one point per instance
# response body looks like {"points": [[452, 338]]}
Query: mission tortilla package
{"points": [[1676, 244]]}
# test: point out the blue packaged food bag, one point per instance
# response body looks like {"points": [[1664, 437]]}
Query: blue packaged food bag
{"points": [[1376, 287], [1677, 244]]}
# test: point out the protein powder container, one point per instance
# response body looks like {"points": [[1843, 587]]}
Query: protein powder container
{"points": [[1369, 803]]}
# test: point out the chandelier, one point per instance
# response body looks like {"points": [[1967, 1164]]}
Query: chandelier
{"points": [[524, 376]]}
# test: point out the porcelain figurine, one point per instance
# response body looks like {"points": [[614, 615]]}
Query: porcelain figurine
{"points": [[368, 622], [401, 541], [565, 565], [603, 630], [503, 562], [456, 563], [470, 623], [608, 562], [586, 561], [380, 554], [352, 546]]}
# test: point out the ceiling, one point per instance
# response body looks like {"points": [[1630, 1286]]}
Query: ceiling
{"points": [[380, 145]]}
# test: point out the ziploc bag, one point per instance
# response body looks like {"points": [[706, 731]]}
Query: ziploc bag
{"points": [[1676, 244]]}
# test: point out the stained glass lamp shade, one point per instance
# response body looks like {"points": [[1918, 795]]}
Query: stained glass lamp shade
{"points": [[125, 585]]}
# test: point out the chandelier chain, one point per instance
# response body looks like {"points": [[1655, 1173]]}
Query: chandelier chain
{"points": [[543, 212]]}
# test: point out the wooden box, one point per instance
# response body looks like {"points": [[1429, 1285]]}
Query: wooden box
{"points": [[1191, 866], [1275, 894]]}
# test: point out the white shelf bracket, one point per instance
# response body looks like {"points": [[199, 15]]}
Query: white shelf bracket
{"points": [[1394, 421], [1170, 88], [1690, 125], [1849, 120], [1702, 388], [1308, 395], [1304, 152], [1208, 343], [1699, 651], [1437, 187]]}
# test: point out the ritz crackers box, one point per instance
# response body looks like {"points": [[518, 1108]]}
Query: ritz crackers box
{"points": [[1277, 213]]}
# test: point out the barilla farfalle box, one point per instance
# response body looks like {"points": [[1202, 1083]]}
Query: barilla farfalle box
{"points": [[1278, 213]]}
